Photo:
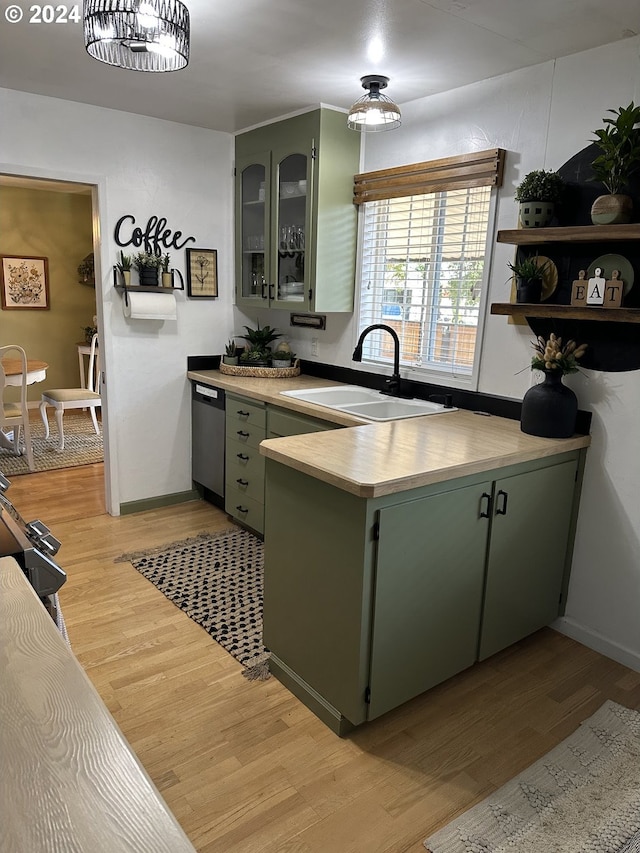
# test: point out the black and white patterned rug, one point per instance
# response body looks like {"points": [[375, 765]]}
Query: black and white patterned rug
{"points": [[217, 580]]}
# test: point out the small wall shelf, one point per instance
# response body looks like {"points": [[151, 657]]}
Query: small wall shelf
{"points": [[569, 234], [566, 312]]}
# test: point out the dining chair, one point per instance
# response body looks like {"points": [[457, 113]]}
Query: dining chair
{"points": [[74, 398], [15, 415]]}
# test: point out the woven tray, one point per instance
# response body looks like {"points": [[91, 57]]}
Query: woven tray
{"points": [[263, 372]]}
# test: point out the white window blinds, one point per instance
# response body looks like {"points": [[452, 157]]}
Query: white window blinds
{"points": [[422, 273]]}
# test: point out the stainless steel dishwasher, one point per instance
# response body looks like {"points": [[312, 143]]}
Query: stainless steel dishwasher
{"points": [[207, 441]]}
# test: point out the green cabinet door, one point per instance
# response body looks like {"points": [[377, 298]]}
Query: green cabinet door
{"points": [[428, 593], [528, 548]]}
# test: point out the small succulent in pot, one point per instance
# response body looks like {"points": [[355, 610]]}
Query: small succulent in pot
{"points": [[230, 352], [529, 274], [124, 264], [165, 261], [282, 357]]}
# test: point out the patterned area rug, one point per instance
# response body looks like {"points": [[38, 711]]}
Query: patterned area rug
{"points": [[217, 579], [582, 797], [81, 446]]}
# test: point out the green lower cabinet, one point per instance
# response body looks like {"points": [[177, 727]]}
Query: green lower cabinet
{"points": [[526, 560], [370, 602], [428, 595]]}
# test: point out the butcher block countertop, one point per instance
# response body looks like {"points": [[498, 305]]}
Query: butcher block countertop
{"points": [[70, 781], [385, 458]]}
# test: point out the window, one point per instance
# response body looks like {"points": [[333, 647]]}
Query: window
{"points": [[423, 271]]}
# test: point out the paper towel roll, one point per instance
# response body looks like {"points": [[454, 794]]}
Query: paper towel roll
{"points": [[150, 306]]}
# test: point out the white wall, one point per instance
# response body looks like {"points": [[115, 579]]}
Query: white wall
{"points": [[142, 166]]}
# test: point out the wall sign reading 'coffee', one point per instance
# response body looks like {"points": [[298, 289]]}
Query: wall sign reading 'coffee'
{"points": [[155, 239]]}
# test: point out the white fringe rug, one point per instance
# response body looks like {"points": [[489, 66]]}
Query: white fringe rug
{"points": [[582, 797]]}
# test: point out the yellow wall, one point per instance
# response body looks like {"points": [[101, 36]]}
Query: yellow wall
{"points": [[57, 226]]}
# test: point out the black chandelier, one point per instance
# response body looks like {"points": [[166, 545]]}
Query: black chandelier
{"points": [[141, 35]]}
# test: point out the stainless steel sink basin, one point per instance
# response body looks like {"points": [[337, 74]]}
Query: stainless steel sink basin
{"points": [[366, 403]]}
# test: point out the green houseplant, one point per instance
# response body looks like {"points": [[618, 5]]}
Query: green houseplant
{"points": [[166, 275], [529, 274], [282, 357], [230, 352], [538, 193], [124, 268], [619, 158], [147, 266], [258, 350]]}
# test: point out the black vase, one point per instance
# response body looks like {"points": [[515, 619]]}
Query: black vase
{"points": [[149, 276], [529, 290], [550, 408]]}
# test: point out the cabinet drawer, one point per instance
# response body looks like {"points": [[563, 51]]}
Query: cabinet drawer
{"points": [[245, 509], [247, 477], [247, 435], [241, 412], [243, 461]]}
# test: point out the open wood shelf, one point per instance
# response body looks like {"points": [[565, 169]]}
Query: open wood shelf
{"points": [[566, 312], [569, 234]]}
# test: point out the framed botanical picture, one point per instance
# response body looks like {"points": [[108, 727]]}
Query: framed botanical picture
{"points": [[202, 273], [24, 282]]}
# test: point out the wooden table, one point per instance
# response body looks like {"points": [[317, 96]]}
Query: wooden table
{"points": [[36, 371], [70, 781]]}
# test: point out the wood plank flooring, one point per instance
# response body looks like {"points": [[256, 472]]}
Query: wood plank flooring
{"points": [[245, 767]]}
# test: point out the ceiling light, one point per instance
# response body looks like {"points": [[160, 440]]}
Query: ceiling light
{"points": [[141, 35], [373, 111]]}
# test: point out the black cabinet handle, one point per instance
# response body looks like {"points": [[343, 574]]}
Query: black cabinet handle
{"points": [[242, 482], [486, 513], [243, 457], [243, 414], [272, 294], [243, 434], [242, 509], [502, 508]]}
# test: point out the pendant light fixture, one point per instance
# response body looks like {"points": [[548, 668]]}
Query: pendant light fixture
{"points": [[373, 111], [140, 35]]}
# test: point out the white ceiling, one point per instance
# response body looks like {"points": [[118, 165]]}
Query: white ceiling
{"points": [[256, 60]]}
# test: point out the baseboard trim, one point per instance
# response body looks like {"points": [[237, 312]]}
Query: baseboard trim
{"points": [[595, 641], [155, 503]]}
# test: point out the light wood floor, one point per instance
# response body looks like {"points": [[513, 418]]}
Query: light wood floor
{"points": [[245, 766]]}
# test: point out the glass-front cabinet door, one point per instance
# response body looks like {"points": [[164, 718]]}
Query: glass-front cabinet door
{"points": [[291, 216], [253, 233]]}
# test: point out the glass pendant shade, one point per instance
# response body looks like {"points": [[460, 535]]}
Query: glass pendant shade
{"points": [[374, 112], [140, 35]]}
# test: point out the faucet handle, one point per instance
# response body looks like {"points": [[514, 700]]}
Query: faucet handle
{"points": [[445, 399]]}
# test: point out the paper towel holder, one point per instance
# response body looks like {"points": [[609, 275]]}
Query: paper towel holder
{"points": [[122, 287]]}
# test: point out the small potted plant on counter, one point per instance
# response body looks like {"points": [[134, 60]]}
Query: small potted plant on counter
{"points": [[529, 274], [147, 266], [230, 353], [538, 194], [258, 351], [283, 356]]}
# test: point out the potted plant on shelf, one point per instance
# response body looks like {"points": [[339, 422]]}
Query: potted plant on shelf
{"points": [[124, 268], [549, 409], [258, 350], [166, 275], [283, 356], [147, 266], [538, 194], [529, 274], [230, 353], [619, 159]]}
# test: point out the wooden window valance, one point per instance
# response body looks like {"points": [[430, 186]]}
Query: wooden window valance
{"points": [[478, 169]]}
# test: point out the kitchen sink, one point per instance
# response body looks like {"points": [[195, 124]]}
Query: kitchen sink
{"points": [[367, 403]]}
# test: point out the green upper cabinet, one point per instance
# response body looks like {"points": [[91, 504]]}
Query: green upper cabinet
{"points": [[295, 220]]}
